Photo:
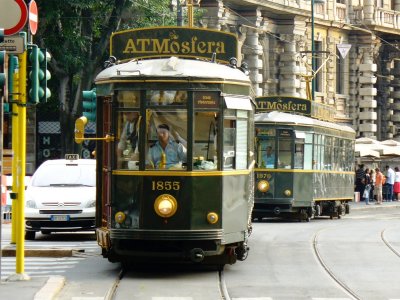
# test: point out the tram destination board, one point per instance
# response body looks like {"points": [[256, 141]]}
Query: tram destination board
{"points": [[173, 41]]}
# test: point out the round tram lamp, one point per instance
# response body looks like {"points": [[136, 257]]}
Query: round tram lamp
{"points": [[165, 206], [263, 186]]}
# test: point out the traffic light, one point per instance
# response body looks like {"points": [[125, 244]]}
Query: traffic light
{"points": [[33, 74], [89, 104], [80, 124], [44, 75], [38, 74], [2, 62], [2, 69]]}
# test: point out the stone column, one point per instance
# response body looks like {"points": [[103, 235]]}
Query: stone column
{"points": [[364, 70], [395, 72], [214, 17], [369, 12], [289, 72], [353, 81], [252, 50]]}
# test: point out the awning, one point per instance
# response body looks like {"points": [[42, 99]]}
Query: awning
{"points": [[238, 103], [365, 152]]}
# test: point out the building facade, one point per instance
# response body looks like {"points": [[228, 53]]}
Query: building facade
{"points": [[362, 85]]}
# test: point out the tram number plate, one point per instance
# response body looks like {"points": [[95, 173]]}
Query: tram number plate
{"points": [[60, 218]]}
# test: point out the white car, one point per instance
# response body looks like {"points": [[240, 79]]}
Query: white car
{"points": [[61, 197]]}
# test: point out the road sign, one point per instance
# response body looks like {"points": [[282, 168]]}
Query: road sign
{"points": [[13, 16], [33, 17], [13, 44], [343, 49]]}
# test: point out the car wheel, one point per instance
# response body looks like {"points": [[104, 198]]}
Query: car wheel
{"points": [[30, 235]]}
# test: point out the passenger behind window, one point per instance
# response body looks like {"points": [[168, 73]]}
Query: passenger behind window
{"points": [[180, 97], [162, 98], [127, 145]]}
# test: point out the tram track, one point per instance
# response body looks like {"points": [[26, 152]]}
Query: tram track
{"points": [[388, 244], [352, 294], [112, 291]]}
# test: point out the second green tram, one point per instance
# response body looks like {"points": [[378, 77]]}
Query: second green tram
{"points": [[305, 167]]}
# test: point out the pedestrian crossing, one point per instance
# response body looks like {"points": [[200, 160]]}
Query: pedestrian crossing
{"points": [[47, 266], [39, 266]]}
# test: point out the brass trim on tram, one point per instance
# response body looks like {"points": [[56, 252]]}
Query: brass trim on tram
{"points": [[170, 81], [332, 199], [183, 173], [303, 171]]}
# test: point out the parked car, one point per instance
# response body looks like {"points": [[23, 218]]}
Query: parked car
{"points": [[61, 197]]}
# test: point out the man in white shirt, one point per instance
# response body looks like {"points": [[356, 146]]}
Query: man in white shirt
{"points": [[389, 183], [129, 136]]}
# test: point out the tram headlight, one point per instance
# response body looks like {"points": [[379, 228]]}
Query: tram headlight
{"points": [[287, 193], [165, 206], [212, 217], [120, 217], [263, 186]]}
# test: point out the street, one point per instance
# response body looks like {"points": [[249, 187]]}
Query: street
{"points": [[356, 257]]}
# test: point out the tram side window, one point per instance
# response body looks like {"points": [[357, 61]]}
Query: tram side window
{"points": [[166, 97], [236, 143], [328, 153], [205, 141], [128, 99], [308, 151], [336, 154], [285, 152], [299, 153], [229, 140], [166, 136], [127, 149]]}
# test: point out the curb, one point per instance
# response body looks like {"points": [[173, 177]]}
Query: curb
{"points": [[11, 252], [372, 205], [52, 287]]}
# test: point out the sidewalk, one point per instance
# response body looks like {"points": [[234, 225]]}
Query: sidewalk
{"points": [[37, 288], [372, 205]]}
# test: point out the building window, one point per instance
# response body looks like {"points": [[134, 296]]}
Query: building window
{"points": [[340, 73], [318, 56]]}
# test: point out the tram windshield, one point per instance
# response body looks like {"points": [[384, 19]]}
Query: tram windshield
{"points": [[166, 123]]}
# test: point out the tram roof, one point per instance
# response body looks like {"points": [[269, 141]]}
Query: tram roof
{"points": [[172, 67], [292, 119]]}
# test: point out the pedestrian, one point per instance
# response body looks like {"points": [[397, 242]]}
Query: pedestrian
{"points": [[373, 179], [389, 183], [396, 187], [360, 180], [378, 185], [367, 189]]}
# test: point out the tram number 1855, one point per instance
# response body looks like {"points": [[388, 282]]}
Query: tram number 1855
{"points": [[157, 185]]}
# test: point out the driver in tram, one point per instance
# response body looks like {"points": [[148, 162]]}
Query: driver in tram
{"points": [[166, 152]]}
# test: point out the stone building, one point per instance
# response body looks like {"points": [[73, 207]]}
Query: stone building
{"points": [[275, 40]]}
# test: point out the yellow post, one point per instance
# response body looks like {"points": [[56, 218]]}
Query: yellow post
{"points": [[20, 248], [14, 143], [190, 13]]}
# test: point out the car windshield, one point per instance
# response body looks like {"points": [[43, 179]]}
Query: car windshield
{"points": [[65, 175]]}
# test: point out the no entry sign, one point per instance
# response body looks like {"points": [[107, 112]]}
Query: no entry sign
{"points": [[13, 16], [33, 17]]}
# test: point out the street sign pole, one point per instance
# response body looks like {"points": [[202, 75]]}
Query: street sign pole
{"points": [[20, 249]]}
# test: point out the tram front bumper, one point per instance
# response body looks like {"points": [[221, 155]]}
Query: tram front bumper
{"points": [[275, 207]]}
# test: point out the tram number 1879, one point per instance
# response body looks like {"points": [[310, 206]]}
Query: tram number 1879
{"points": [[165, 185]]}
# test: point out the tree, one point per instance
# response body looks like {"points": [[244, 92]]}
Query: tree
{"points": [[76, 33]]}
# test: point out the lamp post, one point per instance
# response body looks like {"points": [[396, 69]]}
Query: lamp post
{"points": [[313, 62], [312, 52]]}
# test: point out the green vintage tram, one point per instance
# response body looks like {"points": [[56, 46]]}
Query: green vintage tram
{"points": [[179, 186], [305, 166]]}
